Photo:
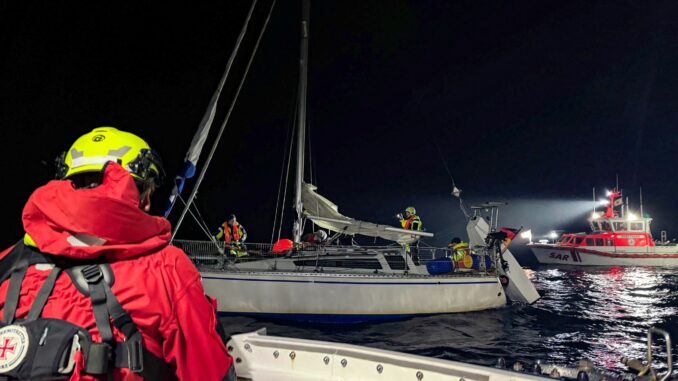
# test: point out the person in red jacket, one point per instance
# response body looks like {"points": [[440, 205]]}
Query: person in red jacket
{"points": [[97, 209]]}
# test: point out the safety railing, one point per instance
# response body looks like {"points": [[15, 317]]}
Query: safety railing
{"points": [[208, 253]]}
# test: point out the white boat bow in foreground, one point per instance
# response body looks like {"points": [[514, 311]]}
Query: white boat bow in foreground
{"points": [[260, 357]]}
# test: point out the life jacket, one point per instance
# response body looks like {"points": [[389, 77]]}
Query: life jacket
{"points": [[412, 223], [459, 251], [48, 348], [231, 234]]}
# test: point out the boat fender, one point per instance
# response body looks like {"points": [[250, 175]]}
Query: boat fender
{"points": [[536, 369], [501, 363], [582, 376], [504, 280], [440, 266]]}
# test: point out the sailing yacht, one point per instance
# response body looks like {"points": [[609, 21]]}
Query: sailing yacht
{"points": [[334, 283]]}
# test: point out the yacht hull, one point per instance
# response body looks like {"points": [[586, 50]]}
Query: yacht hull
{"points": [[620, 256], [349, 297]]}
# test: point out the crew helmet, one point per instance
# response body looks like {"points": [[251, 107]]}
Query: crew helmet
{"points": [[411, 210], [321, 235], [91, 152]]}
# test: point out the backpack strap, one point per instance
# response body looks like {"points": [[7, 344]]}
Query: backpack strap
{"points": [[130, 353], [8, 261], [43, 294], [14, 266], [93, 280], [13, 291]]}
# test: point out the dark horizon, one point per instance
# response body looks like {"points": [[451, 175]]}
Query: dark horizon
{"points": [[533, 104]]}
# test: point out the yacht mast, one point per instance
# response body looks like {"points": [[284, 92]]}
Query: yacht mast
{"points": [[301, 118]]}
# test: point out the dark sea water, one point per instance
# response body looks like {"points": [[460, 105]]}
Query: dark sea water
{"points": [[600, 314]]}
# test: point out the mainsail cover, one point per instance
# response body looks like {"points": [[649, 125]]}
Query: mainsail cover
{"points": [[325, 214]]}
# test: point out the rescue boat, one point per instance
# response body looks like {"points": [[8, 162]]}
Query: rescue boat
{"points": [[617, 238]]}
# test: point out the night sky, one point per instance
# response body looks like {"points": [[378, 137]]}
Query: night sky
{"points": [[530, 103]]}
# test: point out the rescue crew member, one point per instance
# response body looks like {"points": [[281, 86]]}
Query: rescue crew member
{"points": [[315, 238], [411, 221], [97, 210], [458, 248], [234, 235]]}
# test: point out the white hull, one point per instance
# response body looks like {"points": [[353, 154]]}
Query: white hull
{"points": [[594, 256], [519, 288], [349, 297], [261, 357]]}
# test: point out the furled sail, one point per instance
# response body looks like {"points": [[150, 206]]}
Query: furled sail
{"points": [[325, 214]]}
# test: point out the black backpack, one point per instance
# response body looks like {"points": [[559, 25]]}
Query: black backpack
{"points": [[45, 349]]}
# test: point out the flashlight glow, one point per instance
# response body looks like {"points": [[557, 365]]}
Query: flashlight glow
{"points": [[632, 216], [553, 235]]}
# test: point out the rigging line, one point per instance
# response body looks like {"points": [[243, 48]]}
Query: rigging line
{"points": [[287, 176], [226, 119], [280, 184], [202, 219], [206, 122], [288, 147], [211, 238], [310, 153], [310, 163], [442, 158]]}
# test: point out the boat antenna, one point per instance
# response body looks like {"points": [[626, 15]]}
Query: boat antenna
{"points": [[194, 191], [641, 203], [616, 176], [301, 118], [456, 192], [594, 201]]}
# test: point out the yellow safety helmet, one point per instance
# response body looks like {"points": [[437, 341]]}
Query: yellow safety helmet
{"points": [[411, 210], [92, 151]]}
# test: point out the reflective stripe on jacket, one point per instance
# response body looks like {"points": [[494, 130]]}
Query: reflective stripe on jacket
{"points": [[228, 234], [412, 223]]}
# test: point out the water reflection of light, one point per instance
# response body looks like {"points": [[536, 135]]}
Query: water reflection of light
{"points": [[614, 306]]}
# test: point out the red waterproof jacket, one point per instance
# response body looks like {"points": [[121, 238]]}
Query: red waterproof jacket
{"points": [[156, 283]]}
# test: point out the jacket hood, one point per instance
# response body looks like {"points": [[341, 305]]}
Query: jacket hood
{"points": [[89, 223]]}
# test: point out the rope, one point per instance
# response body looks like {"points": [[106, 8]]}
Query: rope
{"points": [[286, 170], [212, 110], [287, 176], [226, 119], [198, 221], [204, 224], [442, 158]]}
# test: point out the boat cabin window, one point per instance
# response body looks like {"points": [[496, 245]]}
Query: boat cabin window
{"points": [[600, 242], [578, 240], [636, 226], [589, 242], [353, 263], [609, 242], [564, 239], [620, 226], [605, 225]]}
